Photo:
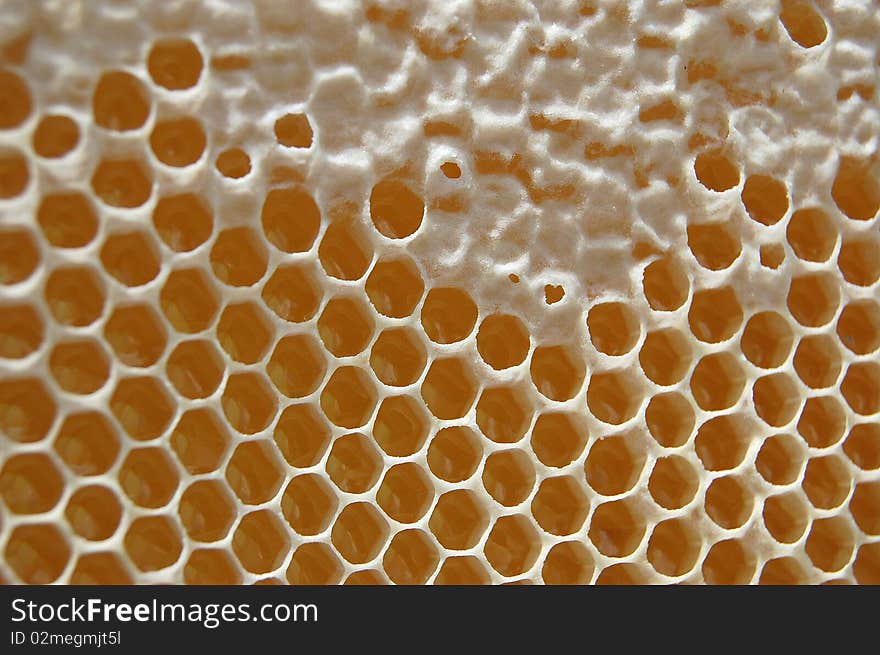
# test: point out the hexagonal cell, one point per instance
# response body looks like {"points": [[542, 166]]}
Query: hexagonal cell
{"points": [[30, 483], [354, 464], [721, 442], [21, 331], [359, 533], [292, 293], [772, 255], [715, 314], [211, 566], [309, 504], [367, 577], [398, 357], [189, 300], [786, 517], [812, 235], [558, 438], [813, 299], [148, 477], [859, 326], [504, 414], [502, 341], [623, 574], [613, 465], [458, 520], [765, 199], [120, 102], [182, 221], [449, 388], [776, 399], [142, 407], [617, 528], [195, 368], [175, 63], [37, 553], [122, 183], [665, 356], [830, 544], [859, 261], [395, 209], [260, 541], [866, 566], [557, 372], [715, 171], [560, 505], [17, 102], [297, 365], [395, 287], [817, 361], [233, 163], [729, 562], [822, 421], [714, 245], [302, 435], [87, 443], [567, 563], [674, 482], [178, 142], [136, 335], [670, 419], [614, 396], [509, 476], [717, 381], [454, 453], [464, 570], [249, 402], [206, 510], [862, 446], [410, 558], [75, 295], [291, 219], [783, 571], [244, 332], [99, 569], [406, 493], [314, 564], [18, 255], [780, 459], [728, 503], [14, 173], [345, 251], [130, 257], [200, 440], [67, 219], [513, 545], [401, 426], [448, 315], [153, 543], [345, 326], [348, 397], [826, 482], [239, 258], [767, 340], [861, 387], [856, 191], [27, 410], [614, 328], [803, 22], [673, 547], [293, 131], [79, 367], [254, 472]]}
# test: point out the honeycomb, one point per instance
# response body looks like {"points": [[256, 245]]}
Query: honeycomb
{"points": [[459, 292]]}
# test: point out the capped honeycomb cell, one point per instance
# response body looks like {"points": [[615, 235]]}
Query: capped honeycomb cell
{"points": [[18, 255], [244, 332], [449, 388], [406, 493], [309, 504], [314, 563], [349, 397], [297, 366], [613, 328], [206, 510], [411, 558], [395, 287], [200, 440], [260, 542], [67, 219], [30, 483], [613, 466], [665, 356], [290, 219], [345, 253], [175, 63], [401, 426], [120, 102], [454, 453], [359, 533], [674, 482], [354, 464], [448, 315], [665, 284], [87, 443], [21, 331], [556, 372], [153, 543], [558, 439], [567, 563], [458, 520], [254, 473], [248, 402], [302, 435], [292, 293], [395, 209], [398, 357], [183, 221], [504, 414]]}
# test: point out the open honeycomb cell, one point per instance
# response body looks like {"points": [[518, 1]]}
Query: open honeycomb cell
{"points": [[670, 419], [290, 219], [613, 466], [673, 547], [401, 426], [458, 520], [556, 372], [18, 255], [314, 563], [613, 328], [254, 472], [406, 493], [395, 287], [344, 252], [560, 506], [411, 557], [398, 357], [309, 504], [292, 293], [665, 356], [297, 366], [183, 221], [248, 402], [448, 315], [674, 482], [21, 331], [509, 476], [206, 510], [359, 532], [302, 435], [30, 484], [454, 453], [67, 219], [153, 543], [354, 464]]}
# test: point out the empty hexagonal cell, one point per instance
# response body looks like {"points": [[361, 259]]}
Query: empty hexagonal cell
{"points": [[567, 563], [260, 541], [293, 131], [398, 357], [765, 199], [449, 388], [178, 142], [502, 341], [454, 453], [558, 438], [674, 482], [856, 191], [359, 533], [297, 365], [254, 472], [614, 396], [27, 411], [206, 510], [21, 331], [195, 368], [512, 546], [148, 477], [200, 440], [509, 476], [244, 332], [729, 562], [18, 255], [302, 435], [504, 414], [17, 101], [830, 543], [348, 397], [665, 356], [354, 464], [617, 528], [153, 543], [395, 287], [79, 367], [67, 219], [866, 565], [410, 558], [714, 245], [345, 252], [238, 257], [614, 328], [812, 235], [406, 493], [142, 407], [314, 564], [87, 443], [613, 465], [728, 503], [292, 293], [767, 340], [715, 314], [826, 481], [401, 426], [309, 504], [670, 419], [783, 571], [136, 335], [395, 209], [803, 22], [75, 296], [248, 402], [861, 387], [99, 569], [776, 399], [813, 299], [122, 183], [557, 372], [560, 505], [862, 446], [345, 326], [721, 442], [717, 381], [183, 221], [448, 315], [780, 459], [458, 520], [859, 326], [14, 173], [786, 517], [37, 553], [211, 566], [189, 300], [120, 102], [859, 261], [865, 507], [673, 547], [822, 421], [290, 219], [175, 63], [464, 570], [715, 171], [30, 483]]}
